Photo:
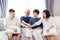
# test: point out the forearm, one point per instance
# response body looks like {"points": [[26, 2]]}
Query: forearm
{"points": [[51, 27], [5, 27], [34, 25], [25, 23], [22, 24]]}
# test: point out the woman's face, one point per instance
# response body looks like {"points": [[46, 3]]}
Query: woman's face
{"points": [[44, 15]]}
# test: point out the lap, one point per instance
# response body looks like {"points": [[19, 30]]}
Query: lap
{"points": [[11, 31]]}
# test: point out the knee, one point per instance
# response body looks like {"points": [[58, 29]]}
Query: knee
{"points": [[19, 35], [10, 35]]}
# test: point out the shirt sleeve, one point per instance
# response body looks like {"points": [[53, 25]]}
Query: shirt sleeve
{"points": [[18, 21], [5, 21], [39, 22], [30, 21], [53, 22], [21, 19]]}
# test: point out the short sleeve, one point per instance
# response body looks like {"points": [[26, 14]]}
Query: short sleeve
{"points": [[21, 19], [17, 21], [39, 22], [53, 22], [5, 21], [30, 21]]}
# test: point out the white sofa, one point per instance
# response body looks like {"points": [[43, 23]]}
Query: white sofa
{"points": [[3, 36], [57, 22]]}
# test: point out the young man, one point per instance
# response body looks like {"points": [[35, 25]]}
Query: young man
{"points": [[11, 25], [37, 30], [26, 19]]}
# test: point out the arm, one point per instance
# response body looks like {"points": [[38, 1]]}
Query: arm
{"points": [[5, 24], [52, 25], [25, 23], [22, 24], [38, 23], [6, 27]]}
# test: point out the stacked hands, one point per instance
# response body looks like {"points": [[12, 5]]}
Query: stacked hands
{"points": [[30, 26], [27, 25]]}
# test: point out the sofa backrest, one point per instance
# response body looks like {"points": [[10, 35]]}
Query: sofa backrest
{"points": [[1, 25], [57, 22]]}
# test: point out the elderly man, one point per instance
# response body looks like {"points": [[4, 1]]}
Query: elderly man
{"points": [[26, 19]]}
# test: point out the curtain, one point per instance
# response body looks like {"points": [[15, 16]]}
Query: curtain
{"points": [[49, 6], [3, 7]]}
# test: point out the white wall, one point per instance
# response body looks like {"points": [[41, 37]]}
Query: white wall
{"points": [[57, 7], [57, 13], [22, 5]]}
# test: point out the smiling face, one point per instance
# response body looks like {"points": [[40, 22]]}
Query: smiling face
{"points": [[44, 15], [35, 15], [12, 14], [27, 13]]}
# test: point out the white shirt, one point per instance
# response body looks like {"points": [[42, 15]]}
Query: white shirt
{"points": [[9, 22]]}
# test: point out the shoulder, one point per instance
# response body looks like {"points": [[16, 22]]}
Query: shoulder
{"points": [[16, 18], [51, 18], [31, 18], [22, 17], [6, 18], [40, 18]]}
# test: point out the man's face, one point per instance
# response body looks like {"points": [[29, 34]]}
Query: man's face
{"points": [[35, 14], [27, 13], [12, 14]]}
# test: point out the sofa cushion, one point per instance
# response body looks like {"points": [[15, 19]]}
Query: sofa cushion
{"points": [[3, 35]]}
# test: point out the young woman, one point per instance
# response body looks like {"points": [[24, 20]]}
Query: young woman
{"points": [[49, 29]]}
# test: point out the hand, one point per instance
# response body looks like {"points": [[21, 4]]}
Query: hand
{"points": [[15, 29], [29, 26], [39, 28], [48, 30]]}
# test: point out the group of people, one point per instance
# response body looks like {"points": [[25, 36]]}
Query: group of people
{"points": [[31, 26]]}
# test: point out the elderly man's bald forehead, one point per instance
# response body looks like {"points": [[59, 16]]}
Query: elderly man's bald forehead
{"points": [[27, 10]]}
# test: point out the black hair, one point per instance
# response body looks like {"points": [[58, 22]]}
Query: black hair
{"points": [[47, 13], [11, 10], [37, 11]]}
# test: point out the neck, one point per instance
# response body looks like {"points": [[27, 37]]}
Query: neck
{"points": [[26, 16], [35, 17], [11, 18]]}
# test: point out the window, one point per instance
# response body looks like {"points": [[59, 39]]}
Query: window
{"points": [[21, 5]]}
